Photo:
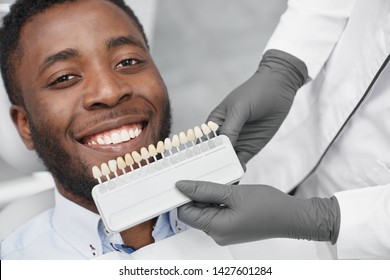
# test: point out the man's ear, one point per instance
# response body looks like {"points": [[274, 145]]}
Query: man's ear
{"points": [[19, 117]]}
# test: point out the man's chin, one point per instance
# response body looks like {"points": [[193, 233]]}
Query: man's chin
{"points": [[78, 186]]}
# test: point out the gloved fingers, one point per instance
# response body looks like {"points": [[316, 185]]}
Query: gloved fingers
{"points": [[218, 116], [234, 121], [230, 119], [200, 218], [204, 205], [206, 192], [253, 138]]}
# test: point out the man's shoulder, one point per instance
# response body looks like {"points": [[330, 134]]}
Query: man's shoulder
{"points": [[33, 235]]}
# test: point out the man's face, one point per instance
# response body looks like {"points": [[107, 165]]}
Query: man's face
{"points": [[87, 77]]}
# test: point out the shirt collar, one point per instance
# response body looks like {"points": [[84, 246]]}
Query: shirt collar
{"points": [[82, 229], [77, 226]]}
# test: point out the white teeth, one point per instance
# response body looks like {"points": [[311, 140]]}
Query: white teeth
{"points": [[131, 133], [116, 138], [125, 135], [100, 141], [107, 139]]}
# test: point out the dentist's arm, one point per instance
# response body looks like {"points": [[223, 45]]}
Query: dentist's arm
{"points": [[243, 213], [253, 112]]}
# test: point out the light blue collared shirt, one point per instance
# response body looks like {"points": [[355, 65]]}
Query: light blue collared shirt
{"points": [[68, 231]]}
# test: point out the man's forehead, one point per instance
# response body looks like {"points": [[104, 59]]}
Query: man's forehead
{"points": [[84, 13], [81, 21]]}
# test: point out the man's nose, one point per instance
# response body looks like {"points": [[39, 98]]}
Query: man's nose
{"points": [[106, 90]]}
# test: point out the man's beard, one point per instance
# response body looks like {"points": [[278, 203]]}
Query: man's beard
{"points": [[71, 171]]}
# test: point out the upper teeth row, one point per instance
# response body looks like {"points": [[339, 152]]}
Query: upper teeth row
{"points": [[152, 151], [117, 137]]}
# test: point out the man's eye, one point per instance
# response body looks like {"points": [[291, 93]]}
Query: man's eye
{"points": [[127, 63], [64, 79]]}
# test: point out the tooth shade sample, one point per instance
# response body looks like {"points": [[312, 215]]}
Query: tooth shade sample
{"points": [[125, 135], [144, 153], [112, 165], [136, 156], [167, 144], [160, 148], [213, 126], [105, 169], [190, 135], [175, 141], [183, 138], [129, 160], [96, 172], [206, 130], [198, 132], [152, 150], [121, 163]]}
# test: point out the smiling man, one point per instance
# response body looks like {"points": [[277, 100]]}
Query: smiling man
{"points": [[84, 89]]}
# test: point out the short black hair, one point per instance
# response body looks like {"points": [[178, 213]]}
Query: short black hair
{"points": [[20, 13]]}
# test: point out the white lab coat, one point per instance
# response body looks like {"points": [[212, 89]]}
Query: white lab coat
{"points": [[337, 135]]}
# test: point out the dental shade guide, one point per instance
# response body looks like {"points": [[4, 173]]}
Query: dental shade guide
{"points": [[130, 198]]}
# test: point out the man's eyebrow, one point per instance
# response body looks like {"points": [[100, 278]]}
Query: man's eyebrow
{"points": [[124, 40], [60, 56]]}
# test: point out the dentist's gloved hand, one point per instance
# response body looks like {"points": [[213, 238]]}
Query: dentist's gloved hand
{"points": [[252, 113], [243, 213]]}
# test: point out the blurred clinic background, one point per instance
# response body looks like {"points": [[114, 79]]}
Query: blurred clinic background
{"points": [[203, 48]]}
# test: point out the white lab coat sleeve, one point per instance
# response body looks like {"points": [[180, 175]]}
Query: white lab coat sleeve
{"points": [[365, 223], [309, 30]]}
